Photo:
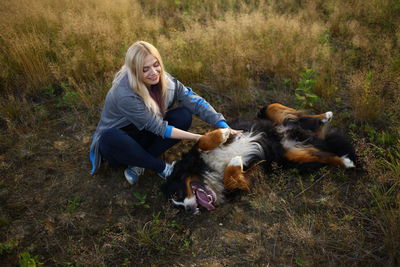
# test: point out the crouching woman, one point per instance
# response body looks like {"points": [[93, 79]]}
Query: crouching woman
{"points": [[138, 122]]}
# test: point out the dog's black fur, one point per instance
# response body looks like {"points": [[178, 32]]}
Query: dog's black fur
{"points": [[270, 141], [191, 164], [303, 130]]}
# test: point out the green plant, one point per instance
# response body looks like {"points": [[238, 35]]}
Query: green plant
{"points": [[69, 264], [367, 93], [3, 221], [7, 247], [161, 236], [382, 138], [346, 218], [26, 260], [126, 262], [186, 244], [141, 200], [300, 262], [70, 98], [151, 234], [304, 95], [48, 90], [386, 145], [394, 162], [73, 204], [174, 224], [386, 215]]}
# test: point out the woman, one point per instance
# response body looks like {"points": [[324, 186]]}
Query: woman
{"points": [[137, 124]]}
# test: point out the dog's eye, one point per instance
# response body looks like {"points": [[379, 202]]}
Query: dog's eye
{"points": [[178, 196]]}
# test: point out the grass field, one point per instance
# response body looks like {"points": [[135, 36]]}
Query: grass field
{"points": [[57, 61]]}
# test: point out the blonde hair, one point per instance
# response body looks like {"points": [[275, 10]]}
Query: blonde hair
{"points": [[133, 66]]}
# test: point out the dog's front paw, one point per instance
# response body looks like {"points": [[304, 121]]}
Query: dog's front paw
{"points": [[234, 177], [213, 139], [348, 163], [236, 161]]}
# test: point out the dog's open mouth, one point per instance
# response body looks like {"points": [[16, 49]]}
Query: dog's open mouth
{"points": [[205, 196]]}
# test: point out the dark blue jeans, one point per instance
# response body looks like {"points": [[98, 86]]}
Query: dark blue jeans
{"points": [[130, 147]]}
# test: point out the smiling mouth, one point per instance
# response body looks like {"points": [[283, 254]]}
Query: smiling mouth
{"points": [[205, 196]]}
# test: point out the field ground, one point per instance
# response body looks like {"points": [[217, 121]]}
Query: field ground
{"points": [[57, 60], [59, 214]]}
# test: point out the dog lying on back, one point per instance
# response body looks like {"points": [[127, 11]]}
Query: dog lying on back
{"points": [[218, 161]]}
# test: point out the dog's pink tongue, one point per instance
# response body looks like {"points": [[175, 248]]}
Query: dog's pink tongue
{"points": [[203, 200]]}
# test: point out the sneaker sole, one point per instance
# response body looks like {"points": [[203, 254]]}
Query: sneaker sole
{"points": [[127, 177]]}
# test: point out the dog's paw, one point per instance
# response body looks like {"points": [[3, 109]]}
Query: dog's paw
{"points": [[234, 176], [236, 161], [213, 139], [226, 132], [328, 117], [348, 163]]}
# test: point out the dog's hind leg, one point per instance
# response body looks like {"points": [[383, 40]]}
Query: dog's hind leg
{"points": [[281, 114], [324, 117], [234, 177], [278, 113], [312, 154], [317, 123], [213, 139]]}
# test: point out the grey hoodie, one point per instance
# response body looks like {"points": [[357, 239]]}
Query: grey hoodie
{"points": [[123, 107]]}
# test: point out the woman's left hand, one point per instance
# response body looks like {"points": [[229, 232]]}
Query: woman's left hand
{"points": [[236, 132]]}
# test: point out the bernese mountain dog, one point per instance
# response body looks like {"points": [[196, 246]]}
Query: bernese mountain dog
{"points": [[217, 163]]}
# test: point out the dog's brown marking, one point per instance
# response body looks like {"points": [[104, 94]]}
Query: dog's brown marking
{"points": [[321, 131], [319, 116], [312, 154], [188, 181], [279, 113], [234, 178], [211, 140]]}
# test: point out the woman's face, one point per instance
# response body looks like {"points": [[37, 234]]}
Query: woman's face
{"points": [[151, 70]]}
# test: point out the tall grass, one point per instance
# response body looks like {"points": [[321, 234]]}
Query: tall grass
{"points": [[231, 52], [78, 42], [226, 44]]}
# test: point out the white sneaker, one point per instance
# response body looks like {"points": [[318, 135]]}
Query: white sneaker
{"points": [[132, 174], [167, 171]]}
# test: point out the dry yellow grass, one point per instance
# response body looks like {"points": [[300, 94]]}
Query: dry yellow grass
{"points": [[79, 41], [226, 44]]}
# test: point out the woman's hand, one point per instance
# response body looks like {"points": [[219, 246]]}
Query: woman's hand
{"points": [[184, 135], [236, 132]]}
